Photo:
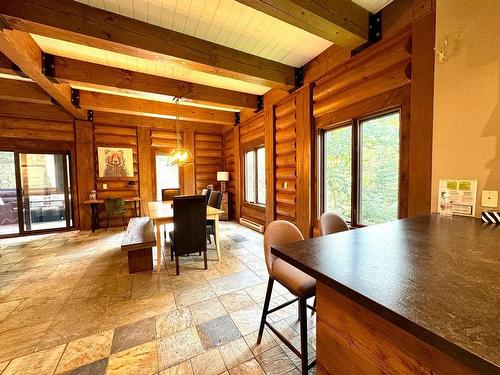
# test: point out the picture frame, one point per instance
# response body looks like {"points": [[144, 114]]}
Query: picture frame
{"points": [[115, 162]]}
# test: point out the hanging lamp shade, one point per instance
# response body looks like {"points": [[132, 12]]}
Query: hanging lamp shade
{"points": [[179, 156]]}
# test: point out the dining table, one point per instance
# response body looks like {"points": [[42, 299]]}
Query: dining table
{"points": [[163, 213]]}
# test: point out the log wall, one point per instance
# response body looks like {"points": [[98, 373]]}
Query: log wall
{"points": [[228, 153]]}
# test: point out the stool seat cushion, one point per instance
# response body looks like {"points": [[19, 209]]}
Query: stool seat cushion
{"points": [[296, 281]]}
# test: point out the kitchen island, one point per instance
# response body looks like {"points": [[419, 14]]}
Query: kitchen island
{"points": [[413, 296]]}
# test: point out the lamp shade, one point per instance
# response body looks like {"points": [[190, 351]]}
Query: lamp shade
{"points": [[222, 176]]}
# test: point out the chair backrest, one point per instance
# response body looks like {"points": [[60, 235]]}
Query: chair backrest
{"points": [[190, 224], [215, 199], [206, 192], [331, 223], [279, 232], [169, 194], [114, 205]]}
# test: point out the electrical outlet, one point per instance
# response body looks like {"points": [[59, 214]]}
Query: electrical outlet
{"points": [[105, 186], [489, 198]]}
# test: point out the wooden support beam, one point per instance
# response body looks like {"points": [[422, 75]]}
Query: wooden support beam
{"points": [[83, 24], [11, 89], [22, 50], [81, 72], [341, 21], [121, 104]]}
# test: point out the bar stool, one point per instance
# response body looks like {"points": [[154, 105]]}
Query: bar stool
{"points": [[331, 223], [297, 282]]}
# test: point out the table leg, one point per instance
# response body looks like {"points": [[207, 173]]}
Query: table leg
{"points": [[95, 223], [217, 238], [158, 247]]}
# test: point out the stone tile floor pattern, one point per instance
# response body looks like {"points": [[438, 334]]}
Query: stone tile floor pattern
{"points": [[69, 306]]}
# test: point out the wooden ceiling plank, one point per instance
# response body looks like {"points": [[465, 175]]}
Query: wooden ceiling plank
{"points": [[120, 104], [341, 21], [80, 72], [22, 50], [83, 24]]}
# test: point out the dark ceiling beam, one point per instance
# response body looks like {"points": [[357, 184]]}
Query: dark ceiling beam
{"points": [[341, 21], [83, 24], [22, 50]]}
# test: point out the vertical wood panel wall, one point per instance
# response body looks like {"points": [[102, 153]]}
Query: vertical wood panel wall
{"points": [[251, 135], [122, 187], [208, 159], [286, 160], [228, 141]]}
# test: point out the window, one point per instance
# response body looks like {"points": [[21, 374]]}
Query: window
{"points": [[360, 176], [255, 176], [167, 177]]}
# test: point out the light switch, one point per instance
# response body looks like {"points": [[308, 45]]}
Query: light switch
{"points": [[105, 186], [285, 185], [489, 198]]}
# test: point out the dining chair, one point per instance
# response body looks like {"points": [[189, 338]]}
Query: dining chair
{"points": [[115, 207], [206, 192], [214, 201], [169, 194], [190, 222], [301, 285], [331, 223]]}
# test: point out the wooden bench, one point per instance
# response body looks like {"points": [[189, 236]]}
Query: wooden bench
{"points": [[138, 242]]}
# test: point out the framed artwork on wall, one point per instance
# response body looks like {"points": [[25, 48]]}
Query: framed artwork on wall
{"points": [[115, 162]]}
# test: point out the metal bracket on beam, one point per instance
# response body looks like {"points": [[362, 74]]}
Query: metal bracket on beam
{"points": [[75, 97], [374, 32], [90, 115], [299, 77], [48, 65], [260, 103], [236, 118]]}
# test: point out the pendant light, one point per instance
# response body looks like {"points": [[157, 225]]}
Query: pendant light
{"points": [[179, 156]]}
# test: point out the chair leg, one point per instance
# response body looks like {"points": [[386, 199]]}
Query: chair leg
{"points": [[265, 309], [208, 239], [303, 334], [124, 221], [177, 265], [107, 221], [171, 251], [205, 260], [314, 305]]}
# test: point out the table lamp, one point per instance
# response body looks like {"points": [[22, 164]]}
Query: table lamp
{"points": [[223, 177]]}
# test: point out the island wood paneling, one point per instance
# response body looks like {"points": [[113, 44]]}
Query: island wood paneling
{"points": [[122, 187], [228, 141], [354, 340], [285, 160], [207, 159]]}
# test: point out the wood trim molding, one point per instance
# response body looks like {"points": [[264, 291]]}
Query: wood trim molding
{"points": [[237, 174], [270, 143]]}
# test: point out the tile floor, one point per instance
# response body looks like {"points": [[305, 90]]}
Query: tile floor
{"points": [[68, 305]]}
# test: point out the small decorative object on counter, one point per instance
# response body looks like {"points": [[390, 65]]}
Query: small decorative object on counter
{"points": [[491, 217], [93, 195]]}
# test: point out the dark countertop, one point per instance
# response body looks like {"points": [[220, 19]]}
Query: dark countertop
{"points": [[436, 277]]}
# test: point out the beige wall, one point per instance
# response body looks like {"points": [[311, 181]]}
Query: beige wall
{"points": [[466, 140]]}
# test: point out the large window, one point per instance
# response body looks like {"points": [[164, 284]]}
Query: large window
{"points": [[255, 176], [167, 176], [361, 170]]}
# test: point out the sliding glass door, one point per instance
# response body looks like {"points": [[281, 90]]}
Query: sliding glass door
{"points": [[9, 215], [37, 190]]}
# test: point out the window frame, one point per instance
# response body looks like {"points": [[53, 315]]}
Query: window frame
{"points": [[356, 166], [159, 152], [256, 176]]}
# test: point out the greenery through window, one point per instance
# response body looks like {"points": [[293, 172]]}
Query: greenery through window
{"points": [[361, 170], [255, 176]]}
